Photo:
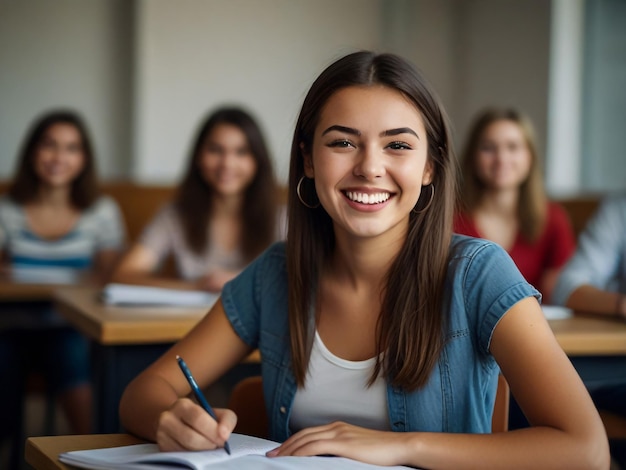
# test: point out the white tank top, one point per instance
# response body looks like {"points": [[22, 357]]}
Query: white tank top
{"points": [[336, 390]]}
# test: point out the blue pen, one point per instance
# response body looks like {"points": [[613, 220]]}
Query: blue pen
{"points": [[199, 396]]}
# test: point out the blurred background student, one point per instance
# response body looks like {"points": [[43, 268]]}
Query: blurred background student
{"points": [[594, 281], [224, 213], [503, 198], [53, 217]]}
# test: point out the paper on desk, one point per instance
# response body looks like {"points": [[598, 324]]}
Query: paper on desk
{"points": [[125, 294], [247, 453], [556, 312]]}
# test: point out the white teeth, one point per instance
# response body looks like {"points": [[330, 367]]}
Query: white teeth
{"points": [[365, 198]]}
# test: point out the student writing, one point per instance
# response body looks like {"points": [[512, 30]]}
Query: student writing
{"points": [[381, 333]]}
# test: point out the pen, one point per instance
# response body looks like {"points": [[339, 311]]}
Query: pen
{"points": [[199, 396]]}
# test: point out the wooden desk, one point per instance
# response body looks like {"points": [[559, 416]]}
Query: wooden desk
{"points": [[125, 340], [42, 453], [586, 335], [13, 291], [113, 325], [596, 347]]}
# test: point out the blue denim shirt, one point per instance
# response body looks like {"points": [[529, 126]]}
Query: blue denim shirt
{"points": [[481, 285]]}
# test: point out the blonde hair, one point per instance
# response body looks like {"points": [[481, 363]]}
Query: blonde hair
{"points": [[532, 203]]}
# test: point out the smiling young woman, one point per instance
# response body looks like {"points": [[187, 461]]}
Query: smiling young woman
{"points": [[381, 333]]}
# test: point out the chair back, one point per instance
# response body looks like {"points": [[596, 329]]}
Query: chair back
{"points": [[500, 417], [246, 400]]}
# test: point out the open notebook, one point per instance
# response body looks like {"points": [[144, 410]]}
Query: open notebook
{"points": [[126, 294], [247, 453]]}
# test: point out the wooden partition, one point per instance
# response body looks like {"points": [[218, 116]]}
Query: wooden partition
{"points": [[138, 203], [580, 209]]}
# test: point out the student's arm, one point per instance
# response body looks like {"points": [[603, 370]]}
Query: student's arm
{"points": [[137, 267], [588, 298], [105, 262], [566, 433], [5, 267], [110, 239], [153, 405]]}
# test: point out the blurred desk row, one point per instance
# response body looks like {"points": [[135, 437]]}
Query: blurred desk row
{"points": [[126, 339]]}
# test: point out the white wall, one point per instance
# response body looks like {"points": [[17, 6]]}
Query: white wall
{"points": [[563, 172], [426, 32], [65, 53], [604, 104], [144, 72], [477, 53], [504, 48], [193, 55]]}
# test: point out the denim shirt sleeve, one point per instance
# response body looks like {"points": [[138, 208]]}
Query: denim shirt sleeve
{"points": [[491, 285], [482, 284], [246, 297], [255, 303]]}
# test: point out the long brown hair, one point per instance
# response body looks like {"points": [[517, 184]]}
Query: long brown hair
{"points": [[532, 202], [194, 198], [410, 329], [25, 186]]}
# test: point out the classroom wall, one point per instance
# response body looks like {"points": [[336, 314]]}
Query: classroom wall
{"points": [[604, 103], [66, 53], [478, 53], [144, 72], [504, 59], [193, 55]]}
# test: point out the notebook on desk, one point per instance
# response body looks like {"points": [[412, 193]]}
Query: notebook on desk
{"points": [[555, 312], [43, 275], [247, 453], [126, 294]]}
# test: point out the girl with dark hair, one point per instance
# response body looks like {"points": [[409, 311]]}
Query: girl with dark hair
{"points": [[381, 333], [503, 198], [54, 217], [224, 213]]}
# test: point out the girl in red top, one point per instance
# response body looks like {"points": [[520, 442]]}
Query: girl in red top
{"points": [[503, 198]]}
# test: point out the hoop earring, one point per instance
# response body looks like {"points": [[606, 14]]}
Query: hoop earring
{"points": [[430, 201], [300, 196]]}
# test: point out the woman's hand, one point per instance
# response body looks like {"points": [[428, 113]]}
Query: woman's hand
{"points": [[187, 426], [345, 440]]}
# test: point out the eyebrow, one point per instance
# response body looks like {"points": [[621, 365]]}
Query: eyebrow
{"points": [[387, 133], [398, 131], [344, 129]]}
